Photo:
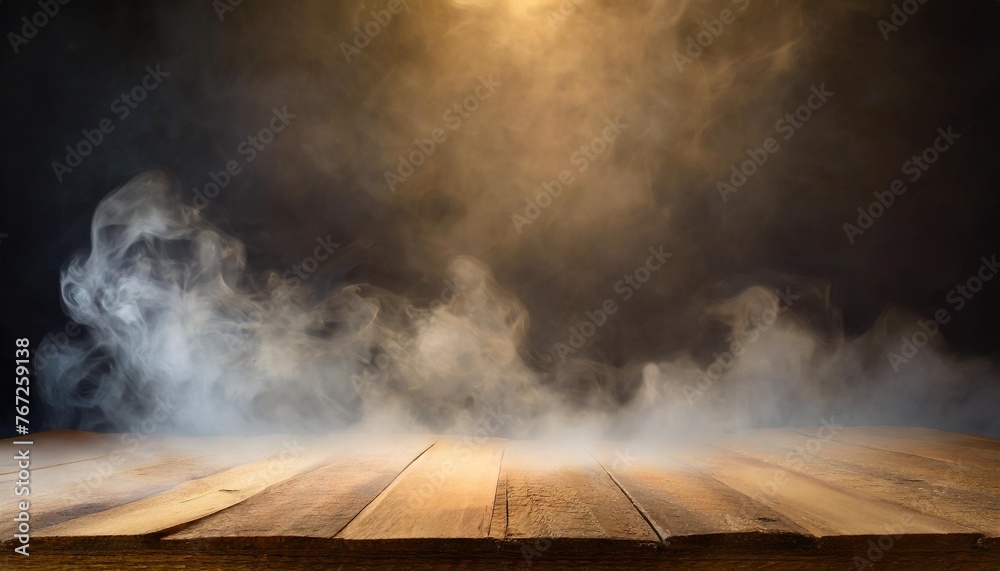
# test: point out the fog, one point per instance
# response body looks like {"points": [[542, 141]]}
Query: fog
{"points": [[573, 214]]}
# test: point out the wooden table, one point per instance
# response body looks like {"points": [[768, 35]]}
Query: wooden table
{"points": [[849, 498]]}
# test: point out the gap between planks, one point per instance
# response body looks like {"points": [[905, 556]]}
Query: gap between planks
{"points": [[661, 534]]}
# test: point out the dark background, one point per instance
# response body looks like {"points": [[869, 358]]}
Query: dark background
{"points": [[942, 68]]}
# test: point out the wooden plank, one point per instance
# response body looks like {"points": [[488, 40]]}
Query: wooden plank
{"points": [[290, 559], [841, 518], [447, 493], [689, 508], [787, 449], [498, 522], [975, 458], [561, 502], [934, 435], [905, 466], [196, 499], [317, 504], [130, 453], [550, 504], [57, 447], [67, 491]]}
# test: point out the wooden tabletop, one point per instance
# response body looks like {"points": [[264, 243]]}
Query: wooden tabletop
{"points": [[818, 498]]}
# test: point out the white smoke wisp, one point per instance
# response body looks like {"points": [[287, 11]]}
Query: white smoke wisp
{"points": [[778, 368], [171, 322]]}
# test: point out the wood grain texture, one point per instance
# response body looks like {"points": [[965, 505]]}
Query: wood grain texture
{"points": [[907, 486], [975, 458], [498, 522], [906, 467], [447, 493], [559, 497], [316, 504], [57, 447], [289, 559], [127, 452], [197, 498], [68, 491], [838, 515], [764, 499], [933, 435], [687, 507]]}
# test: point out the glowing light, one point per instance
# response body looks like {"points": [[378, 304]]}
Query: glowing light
{"points": [[516, 7]]}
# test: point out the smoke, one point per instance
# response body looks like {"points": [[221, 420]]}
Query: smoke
{"points": [[547, 143], [174, 323], [779, 368]]}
